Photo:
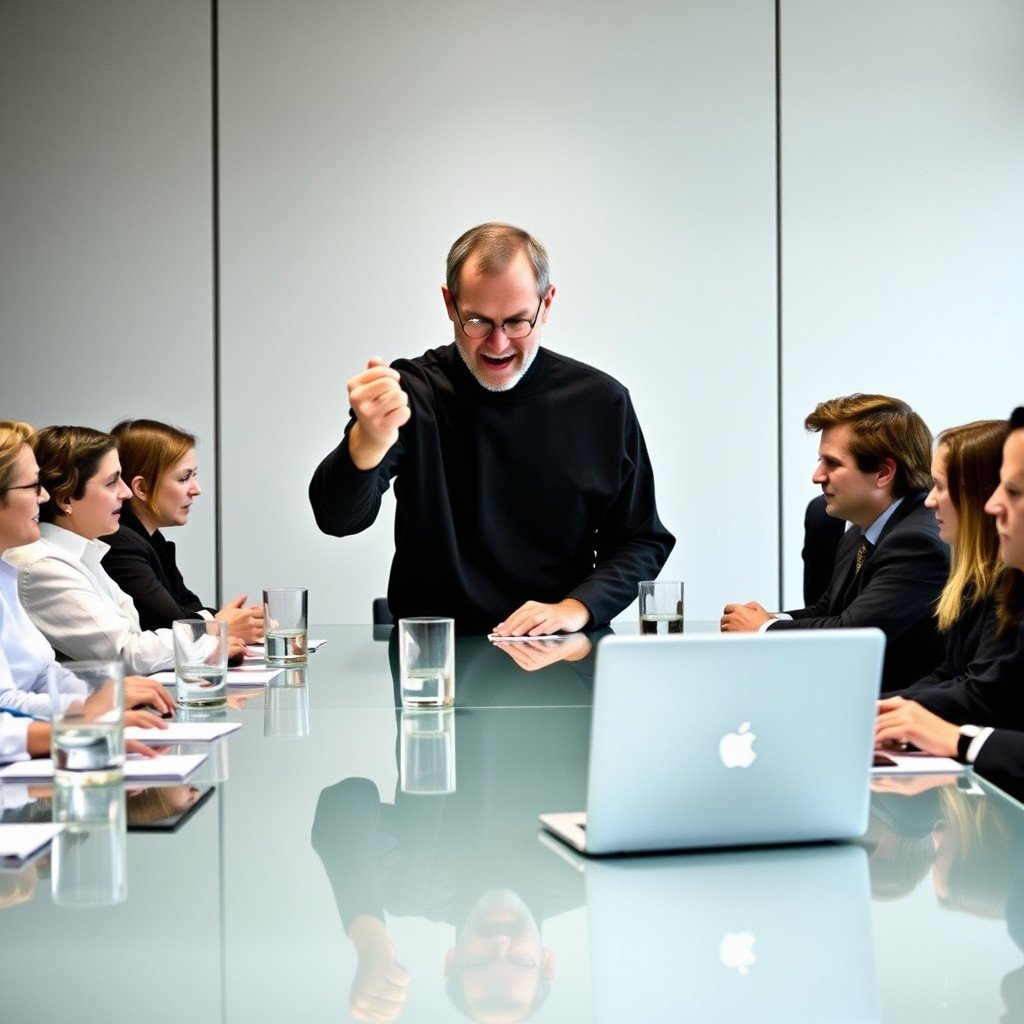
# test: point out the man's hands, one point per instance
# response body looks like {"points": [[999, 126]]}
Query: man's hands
{"points": [[905, 721], [381, 407], [536, 619], [744, 618], [142, 692], [532, 655], [381, 984], [244, 621]]}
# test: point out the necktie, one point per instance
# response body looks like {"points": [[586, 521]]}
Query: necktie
{"points": [[862, 552]]}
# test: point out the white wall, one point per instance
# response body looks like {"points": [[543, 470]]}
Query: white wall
{"points": [[105, 220], [358, 139], [357, 145], [903, 217]]}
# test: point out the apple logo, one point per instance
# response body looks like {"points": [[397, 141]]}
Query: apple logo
{"points": [[736, 748], [736, 951]]}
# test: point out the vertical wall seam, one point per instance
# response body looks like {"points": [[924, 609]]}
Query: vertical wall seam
{"points": [[218, 448], [778, 291]]}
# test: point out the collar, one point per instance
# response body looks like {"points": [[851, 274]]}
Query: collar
{"points": [[874, 531], [70, 543]]}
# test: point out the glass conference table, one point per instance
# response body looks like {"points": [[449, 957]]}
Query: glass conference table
{"points": [[331, 807]]}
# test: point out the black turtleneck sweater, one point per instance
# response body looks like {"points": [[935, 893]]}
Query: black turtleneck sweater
{"points": [[542, 492]]}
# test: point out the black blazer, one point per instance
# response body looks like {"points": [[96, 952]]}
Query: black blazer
{"points": [[144, 568], [822, 534], [896, 590], [972, 647]]}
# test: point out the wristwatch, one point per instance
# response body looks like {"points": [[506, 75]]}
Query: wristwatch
{"points": [[968, 734]]}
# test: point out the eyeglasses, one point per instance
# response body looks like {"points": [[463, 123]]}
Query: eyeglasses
{"points": [[480, 327], [37, 487]]}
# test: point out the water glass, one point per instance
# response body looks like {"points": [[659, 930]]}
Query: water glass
{"points": [[87, 736], [426, 657], [200, 662], [661, 607], [90, 854], [285, 634], [286, 705], [426, 763]]}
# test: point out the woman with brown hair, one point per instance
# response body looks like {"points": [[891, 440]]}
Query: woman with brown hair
{"points": [[158, 463]]}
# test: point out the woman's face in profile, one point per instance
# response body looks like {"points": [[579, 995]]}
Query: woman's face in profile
{"points": [[98, 511], [177, 489]]}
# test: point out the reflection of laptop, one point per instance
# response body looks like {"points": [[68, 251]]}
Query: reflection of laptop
{"points": [[725, 740], [748, 935]]}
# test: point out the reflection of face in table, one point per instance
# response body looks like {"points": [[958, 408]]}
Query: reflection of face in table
{"points": [[471, 858]]}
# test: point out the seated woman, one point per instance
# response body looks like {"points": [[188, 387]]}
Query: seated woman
{"points": [[980, 720], [158, 463], [965, 472], [67, 593], [25, 657]]}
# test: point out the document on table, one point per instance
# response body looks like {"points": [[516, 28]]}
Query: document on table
{"points": [[181, 732], [495, 639], [166, 767], [19, 841], [916, 763], [236, 677], [256, 652]]}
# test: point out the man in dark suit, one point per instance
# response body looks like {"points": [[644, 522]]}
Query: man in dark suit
{"points": [[874, 470]]}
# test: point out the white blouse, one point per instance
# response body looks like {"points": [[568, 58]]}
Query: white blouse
{"points": [[78, 608]]}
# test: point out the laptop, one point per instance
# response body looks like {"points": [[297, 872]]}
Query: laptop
{"points": [[728, 740], [782, 934]]}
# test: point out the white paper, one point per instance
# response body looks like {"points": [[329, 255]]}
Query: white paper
{"points": [[136, 768], [495, 639], [20, 840], [918, 764], [181, 732]]}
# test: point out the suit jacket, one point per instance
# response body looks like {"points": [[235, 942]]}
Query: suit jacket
{"points": [[822, 534], [973, 645], [896, 590], [144, 567]]}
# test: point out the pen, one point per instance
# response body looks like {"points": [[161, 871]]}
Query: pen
{"points": [[18, 713]]}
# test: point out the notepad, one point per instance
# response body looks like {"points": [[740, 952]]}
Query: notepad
{"points": [[20, 841], [236, 677], [181, 732], [918, 763], [167, 767]]}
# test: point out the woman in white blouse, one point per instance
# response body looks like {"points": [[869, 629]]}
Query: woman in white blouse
{"points": [[25, 656], [68, 595]]}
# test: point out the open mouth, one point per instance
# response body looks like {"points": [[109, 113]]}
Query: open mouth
{"points": [[498, 361]]}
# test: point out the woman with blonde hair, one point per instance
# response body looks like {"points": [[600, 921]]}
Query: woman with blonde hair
{"points": [[965, 472], [26, 659], [158, 463], [979, 718]]}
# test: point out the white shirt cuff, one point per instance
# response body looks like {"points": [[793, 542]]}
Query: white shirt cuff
{"points": [[764, 627], [974, 749]]}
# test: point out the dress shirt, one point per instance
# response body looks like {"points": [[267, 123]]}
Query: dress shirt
{"points": [[25, 657], [81, 611]]}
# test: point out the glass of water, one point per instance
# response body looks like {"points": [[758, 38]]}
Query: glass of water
{"points": [[89, 867], [87, 737], [661, 607], [426, 763], [200, 662], [285, 636], [426, 657]]}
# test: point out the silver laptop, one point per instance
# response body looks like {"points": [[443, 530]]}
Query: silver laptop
{"points": [[728, 740], [749, 935]]}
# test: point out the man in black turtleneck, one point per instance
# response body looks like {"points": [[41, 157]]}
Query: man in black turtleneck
{"points": [[525, 495]]}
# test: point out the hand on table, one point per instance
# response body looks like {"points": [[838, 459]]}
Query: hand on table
{"points": [[536, 619], [142, 692], [744, 618], [531, 655], [381, 407], [143, 720], [245, 622], [381, 984], [903, 721]]}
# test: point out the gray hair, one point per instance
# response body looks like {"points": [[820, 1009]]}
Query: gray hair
{"points": [[496, 245]]}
